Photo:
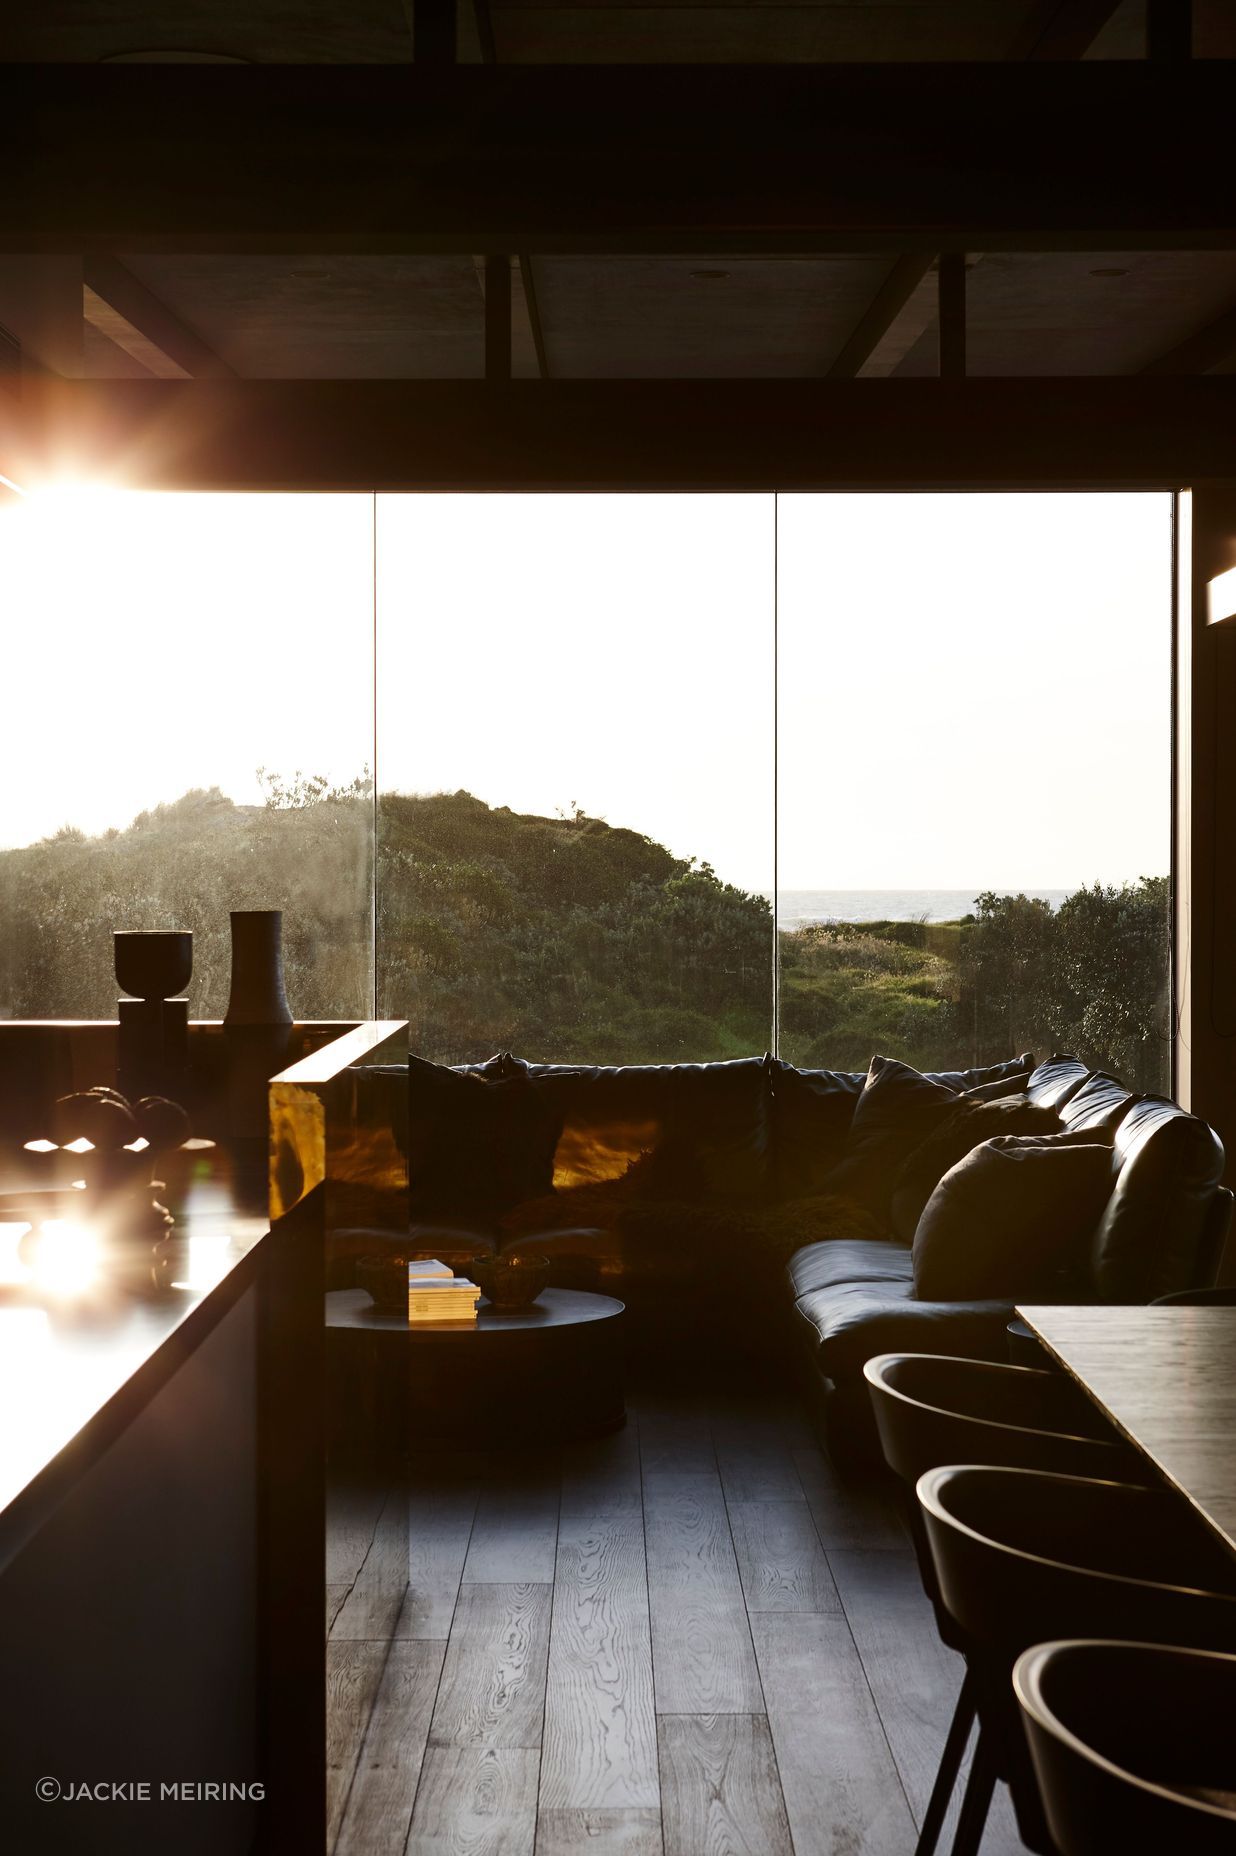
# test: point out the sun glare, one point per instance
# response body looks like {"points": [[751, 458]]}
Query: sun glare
{"points": [[66, 1261]]}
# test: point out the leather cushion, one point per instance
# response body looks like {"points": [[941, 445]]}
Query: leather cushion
{"points": [[1057, 1078], [898, 1107], [847, 1260], [854, 1321], [968, 1123], [1169, 1165], [1100, 1103], [1014, 1218]]}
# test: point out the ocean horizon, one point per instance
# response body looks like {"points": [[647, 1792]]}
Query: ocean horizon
{"points": [[797, 908]]}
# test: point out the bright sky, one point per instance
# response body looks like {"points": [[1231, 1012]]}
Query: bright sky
{"points": [[973, 689]]}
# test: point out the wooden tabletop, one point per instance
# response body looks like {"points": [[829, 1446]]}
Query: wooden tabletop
{"points": [[1167, 1378]]}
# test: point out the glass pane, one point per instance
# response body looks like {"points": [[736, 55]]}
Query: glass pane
{"points": [[975, 779], [188, 731], [575, 756]]}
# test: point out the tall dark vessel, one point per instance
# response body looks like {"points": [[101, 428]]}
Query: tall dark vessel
{"points": [[257, 996]]}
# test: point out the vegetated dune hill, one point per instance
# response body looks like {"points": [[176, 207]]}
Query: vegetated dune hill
{"points": [[568, 938]]}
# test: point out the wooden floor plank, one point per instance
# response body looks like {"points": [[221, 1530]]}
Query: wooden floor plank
{"points": [[352, 1510], [493, 1680], [372, 1606], [913, 1678], [600, 1747], [439, 1528], [599, 1832], [515, 1530], [675, 1435], [849, 1514], [780, 1559], [719, 1787], [841, 1785], [701, 1639], [475, 1801], [754, 1460], [601, 1476], [335, 1595], [379, 1806], [353, 1672]]}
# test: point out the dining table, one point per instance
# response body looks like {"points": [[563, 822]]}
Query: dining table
{"points": [[1166, 1377]]}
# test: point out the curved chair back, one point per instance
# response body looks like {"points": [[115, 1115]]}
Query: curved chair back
{"points": [[1021, 1556], [931, 1409], [1132, 1745]]}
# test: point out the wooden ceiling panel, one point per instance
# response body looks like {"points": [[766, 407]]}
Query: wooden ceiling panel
{"points": [[341, 318], [253, 31], [700, 317], [762, 31], [1092, 313]]}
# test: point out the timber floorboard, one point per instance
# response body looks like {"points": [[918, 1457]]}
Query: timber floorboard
{"points": [[688, 1638]]}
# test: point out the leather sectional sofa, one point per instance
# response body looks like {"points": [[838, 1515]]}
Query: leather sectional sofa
{"points": [[739, 1195]]}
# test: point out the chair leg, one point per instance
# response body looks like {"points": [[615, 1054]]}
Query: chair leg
{"points": [[977, 1802], [950, 1766]]}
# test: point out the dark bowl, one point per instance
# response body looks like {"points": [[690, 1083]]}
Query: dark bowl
{"points": [[385, 1281], [153, 963], [512, 1282]]}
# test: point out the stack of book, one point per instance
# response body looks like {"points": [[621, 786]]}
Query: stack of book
{"points": [[436, 1294]]}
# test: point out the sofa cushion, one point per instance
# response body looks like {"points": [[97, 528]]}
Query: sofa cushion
{"points": [[999, 1089], [968, 1123], [896, 1110], [1168, 1166], [1057, 1078], [811, 1115], [478, 1140], [1014, 1218], [1099, 1103], [984, 1074], [846, 1260], [852, 1322]]}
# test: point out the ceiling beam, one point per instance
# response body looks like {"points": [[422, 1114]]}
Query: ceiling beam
{"points": [[120, 305], [880, 314], [1111, 433], [1062, 29], [951, 314], [894, 158], [1198, 353]]}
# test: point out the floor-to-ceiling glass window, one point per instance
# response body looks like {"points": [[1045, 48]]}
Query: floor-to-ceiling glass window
{"points": [[975, 778], [188, 729], [572, 722], [575, 763]]}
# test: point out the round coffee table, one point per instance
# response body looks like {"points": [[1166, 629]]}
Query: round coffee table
{"points": [[545, 1373]]}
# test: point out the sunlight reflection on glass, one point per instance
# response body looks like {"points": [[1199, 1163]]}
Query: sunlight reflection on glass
{"points": [[66, 1262], [12, 1268], [209, 1257]]}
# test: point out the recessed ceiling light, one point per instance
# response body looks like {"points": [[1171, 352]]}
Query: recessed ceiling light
{"points": [[708, 277], [1110, 270]]}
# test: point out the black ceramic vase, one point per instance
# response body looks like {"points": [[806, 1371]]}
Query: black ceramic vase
{"points": [[257, 996], [257, 1026]]}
